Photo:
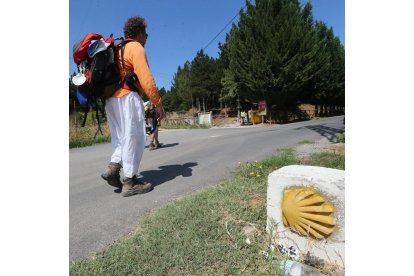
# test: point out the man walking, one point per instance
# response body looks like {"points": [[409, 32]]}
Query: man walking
{"points": [[151, 116], [125, 112]]}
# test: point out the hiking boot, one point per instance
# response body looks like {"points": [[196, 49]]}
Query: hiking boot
{"points": [[152, 146], [133, 186], [137, 181], [111, 175]]}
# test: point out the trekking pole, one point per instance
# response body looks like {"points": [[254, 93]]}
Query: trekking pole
{"points": [[76, 123], [99, 123]]}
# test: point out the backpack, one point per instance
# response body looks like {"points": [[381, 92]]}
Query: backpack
{"points": [[98, 76]]}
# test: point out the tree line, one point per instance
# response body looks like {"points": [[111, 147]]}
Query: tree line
{"points": [[277, 52]]}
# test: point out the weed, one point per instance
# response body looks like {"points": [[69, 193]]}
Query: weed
{"points": [[325, 159], [340, 138]]}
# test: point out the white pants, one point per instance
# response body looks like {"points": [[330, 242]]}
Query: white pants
{"points": [[127, 125]]}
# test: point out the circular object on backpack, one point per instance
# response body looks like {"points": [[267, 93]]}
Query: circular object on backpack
{"points": [[78, 79]]}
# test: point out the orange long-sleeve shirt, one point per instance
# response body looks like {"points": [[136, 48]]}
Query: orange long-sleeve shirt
{"points": [[135, 59]]}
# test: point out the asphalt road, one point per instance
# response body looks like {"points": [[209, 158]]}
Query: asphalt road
{"points": [[189, 160]]}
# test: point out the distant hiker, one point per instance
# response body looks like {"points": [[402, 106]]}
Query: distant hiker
{"points": [[151, 118], [125, 111], [243, 117]]}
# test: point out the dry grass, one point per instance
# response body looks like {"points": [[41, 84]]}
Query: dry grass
{"points": [[89, 134], [337, 148], [78, 132]]}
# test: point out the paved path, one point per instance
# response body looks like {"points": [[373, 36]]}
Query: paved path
{"points": [[189, 160]]}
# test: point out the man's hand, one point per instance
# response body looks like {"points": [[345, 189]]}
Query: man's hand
{"points": [[160, 113]]}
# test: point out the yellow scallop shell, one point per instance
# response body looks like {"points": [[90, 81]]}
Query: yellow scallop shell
{"points": [[308, 212]]}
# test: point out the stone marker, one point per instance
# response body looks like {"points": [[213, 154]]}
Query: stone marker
{"points": [[306, 210]]}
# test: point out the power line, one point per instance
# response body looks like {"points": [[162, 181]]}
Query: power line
{"points": [[208, 44]]}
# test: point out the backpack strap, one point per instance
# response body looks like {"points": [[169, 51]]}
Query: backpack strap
{"points": [[122, 45], [125, 84]]}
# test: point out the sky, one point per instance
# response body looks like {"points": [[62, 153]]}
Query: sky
{"points": [[177, 29]]}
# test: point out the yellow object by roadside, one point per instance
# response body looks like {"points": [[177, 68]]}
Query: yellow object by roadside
{"points": [[308, 212], [254, 117]]}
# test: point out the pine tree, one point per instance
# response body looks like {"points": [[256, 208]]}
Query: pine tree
{"points": [[271, 54], [276, 52], [205, 76], [328, 83], [180, 97]]}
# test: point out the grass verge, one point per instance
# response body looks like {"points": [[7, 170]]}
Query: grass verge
{"points": [[303, 142], [83, 142], [325, 159], [204, 233], [84, 136], [341, 138]]}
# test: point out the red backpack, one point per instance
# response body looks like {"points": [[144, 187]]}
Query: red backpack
{"points": [[96, 58], [98, 76]]}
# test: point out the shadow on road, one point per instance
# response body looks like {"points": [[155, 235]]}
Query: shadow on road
{"points": [[166, 145], [167, 173], [327, 132]]}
